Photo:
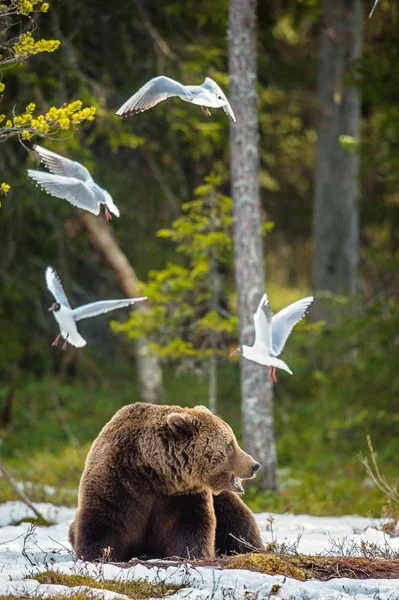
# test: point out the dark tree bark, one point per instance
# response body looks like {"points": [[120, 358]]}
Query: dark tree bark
{"points": [[148, 365], [256, 390], [336, 214]]}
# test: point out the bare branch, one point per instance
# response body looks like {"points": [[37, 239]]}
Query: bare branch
{"points": [[158, 39], [21, 494]]}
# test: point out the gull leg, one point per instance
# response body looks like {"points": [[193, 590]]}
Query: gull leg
{"points": [[272, 375], [56, 340], [65, 344], [206, 111], [108, 215]]}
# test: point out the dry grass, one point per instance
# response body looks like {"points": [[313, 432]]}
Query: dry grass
{"points": [[132, 589]]}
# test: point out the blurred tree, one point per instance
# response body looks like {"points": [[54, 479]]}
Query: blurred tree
{"points": [[256, 390], [149, 371], [187, 317], [336, 212]]}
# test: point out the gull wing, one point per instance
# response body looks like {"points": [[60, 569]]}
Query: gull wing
{"points": [[98, 308], [154, 91], [54, 286], [67, 188], [59, 165], [285, 320], [263, 325]]}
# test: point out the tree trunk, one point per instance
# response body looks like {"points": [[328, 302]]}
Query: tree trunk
{"points": [[148, 365], [256, 390], [336, 214]]}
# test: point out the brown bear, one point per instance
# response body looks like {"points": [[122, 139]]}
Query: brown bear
{"points": [[163, 481]]}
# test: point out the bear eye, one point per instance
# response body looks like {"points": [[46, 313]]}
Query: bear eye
{"points": [[231, 446]]}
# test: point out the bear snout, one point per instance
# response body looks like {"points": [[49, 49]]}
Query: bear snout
{"points": [[245, 467]]}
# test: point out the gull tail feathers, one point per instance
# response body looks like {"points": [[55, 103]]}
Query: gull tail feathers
{"points": [[75, 339], [280, 364]]}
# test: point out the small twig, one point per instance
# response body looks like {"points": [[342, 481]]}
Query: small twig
{"points": [[30, 533], [374, 473], [372, 10], [20, 492], [158, 39]]}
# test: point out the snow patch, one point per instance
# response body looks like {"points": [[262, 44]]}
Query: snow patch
{"points": [[27, 549]]}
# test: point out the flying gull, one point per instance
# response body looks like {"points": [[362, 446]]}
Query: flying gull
{"points": [[271, 334], [67, 317], [208, 94], [71, 181]]}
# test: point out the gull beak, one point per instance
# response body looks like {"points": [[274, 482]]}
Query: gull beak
{"points": [[236, 351], [52, 307], [229, 111]]}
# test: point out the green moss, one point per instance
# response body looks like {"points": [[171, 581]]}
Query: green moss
{"points": [[84, 596], [132, 589], [303, 567], [34, 521], [271, 564]]}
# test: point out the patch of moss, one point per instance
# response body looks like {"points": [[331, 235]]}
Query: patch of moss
{"points": [[271, 564], [132, 589], [60, 597], [34, 521], [302, 567]]}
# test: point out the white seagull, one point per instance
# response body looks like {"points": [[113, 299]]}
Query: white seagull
{"points": [[71, 181], [67, 317], [271, 334], [208, 94]]}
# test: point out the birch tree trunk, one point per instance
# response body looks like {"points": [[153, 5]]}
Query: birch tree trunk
{"points": [[256, 390], [148, 366], [336, 213]]}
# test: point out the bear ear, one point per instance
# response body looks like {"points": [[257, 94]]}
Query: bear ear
{"points": [[204, 408], [180, 423]]}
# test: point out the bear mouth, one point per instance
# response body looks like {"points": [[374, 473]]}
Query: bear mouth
{"points": [[237, 484]]}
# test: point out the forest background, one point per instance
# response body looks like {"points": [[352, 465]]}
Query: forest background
{"points": [[346, 381]]}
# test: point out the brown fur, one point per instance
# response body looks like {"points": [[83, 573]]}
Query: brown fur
{"points": [[158, 480]]}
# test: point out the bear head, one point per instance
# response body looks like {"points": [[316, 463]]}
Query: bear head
{"points": [[212, 458]]}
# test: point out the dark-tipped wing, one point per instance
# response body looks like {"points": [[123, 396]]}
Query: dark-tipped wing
{"points": [[67, 188], [154, 91], [285, 320], [262, 322], [59, 165], [54, 286], [98, 308]]}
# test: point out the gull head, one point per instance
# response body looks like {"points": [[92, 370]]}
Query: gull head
{"points": [[219, 99], [55, 307]]}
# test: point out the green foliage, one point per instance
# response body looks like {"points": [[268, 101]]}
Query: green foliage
{"points": [[186, 319], [16, 50]]}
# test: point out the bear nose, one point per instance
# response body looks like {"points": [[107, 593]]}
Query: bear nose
{"points": [[256, 467]]}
